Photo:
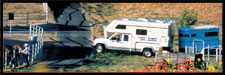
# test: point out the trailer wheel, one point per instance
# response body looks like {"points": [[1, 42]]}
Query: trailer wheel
{"points": [[147, 52], [100, 48]]}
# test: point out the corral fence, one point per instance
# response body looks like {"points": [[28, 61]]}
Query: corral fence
{"points": [[35, 46], [206, 52], [23, 19]]}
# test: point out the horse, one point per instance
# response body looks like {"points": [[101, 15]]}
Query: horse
{"points": [[9, 50], [18, 50], [9, 54]]}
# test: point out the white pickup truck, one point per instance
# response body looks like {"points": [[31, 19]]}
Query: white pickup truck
{"points": [[137, 35]]}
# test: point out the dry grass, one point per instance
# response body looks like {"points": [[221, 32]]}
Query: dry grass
{"points": [[128, 63]]}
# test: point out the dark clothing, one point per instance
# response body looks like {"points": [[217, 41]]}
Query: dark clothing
{"points": [[26, 57], [25, 53]]}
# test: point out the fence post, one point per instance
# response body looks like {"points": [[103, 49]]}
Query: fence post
{"points": [[193, 49], [33, 29], [29, 31], [27, 19], [196, 49], [41, 42], [42, 38], [10, 28], [29, 48], [189, 50], [185, 49], [208, 55], [203, 54], [36, 30], [105, 32], [156, 53], [14, 56], [36, 48], [216, 54], [220, 54], [32, 54], [5, 60], [39, 32]]}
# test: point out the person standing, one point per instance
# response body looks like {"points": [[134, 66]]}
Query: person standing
{"points": [[25, 52]]}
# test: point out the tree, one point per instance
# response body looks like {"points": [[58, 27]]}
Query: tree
{"points": [[186, 19]]}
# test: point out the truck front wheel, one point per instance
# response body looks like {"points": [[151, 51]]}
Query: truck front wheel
{"points": [[147, 52], [100, 48]]}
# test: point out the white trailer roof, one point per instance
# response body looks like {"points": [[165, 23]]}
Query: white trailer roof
{"points": [[205, 27], [140, 22]]}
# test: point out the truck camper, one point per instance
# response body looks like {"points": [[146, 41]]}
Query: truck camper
{"points": [[137, 35]]}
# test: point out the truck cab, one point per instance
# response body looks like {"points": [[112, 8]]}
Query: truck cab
{"points": [[117, 41]]}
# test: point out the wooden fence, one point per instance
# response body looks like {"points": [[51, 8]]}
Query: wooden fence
{"points": [[24, 18]]}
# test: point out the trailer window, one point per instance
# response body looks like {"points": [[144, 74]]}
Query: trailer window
{"points": [[186, 35], [121, 27], [193, 35], [181, 35], [209, 34], [141, 32]]}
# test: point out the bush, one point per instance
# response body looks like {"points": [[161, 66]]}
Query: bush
{"points": [[186, 19]]}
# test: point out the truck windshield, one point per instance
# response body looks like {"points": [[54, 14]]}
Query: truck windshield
{"points": [[110, 35]]}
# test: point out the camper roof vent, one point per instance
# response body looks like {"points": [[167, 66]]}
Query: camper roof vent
{"points": [[143, 19], [125, 19], [159, 21]]}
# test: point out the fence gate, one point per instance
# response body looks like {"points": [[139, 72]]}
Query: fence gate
{"points": [[36, 37], [35, 34]]}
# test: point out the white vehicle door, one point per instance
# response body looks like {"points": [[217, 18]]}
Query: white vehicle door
{"points": [[114, 42], [119, 42], [126, 42]]}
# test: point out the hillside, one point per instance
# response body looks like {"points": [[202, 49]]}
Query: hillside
{"points": [[208, 13], [211, 12]]}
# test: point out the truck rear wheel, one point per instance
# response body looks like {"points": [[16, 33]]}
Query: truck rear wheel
{"points": [[147, 52], [100, 48]]}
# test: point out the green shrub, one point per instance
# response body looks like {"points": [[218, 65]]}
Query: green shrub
{"points": [[186, 19]]}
